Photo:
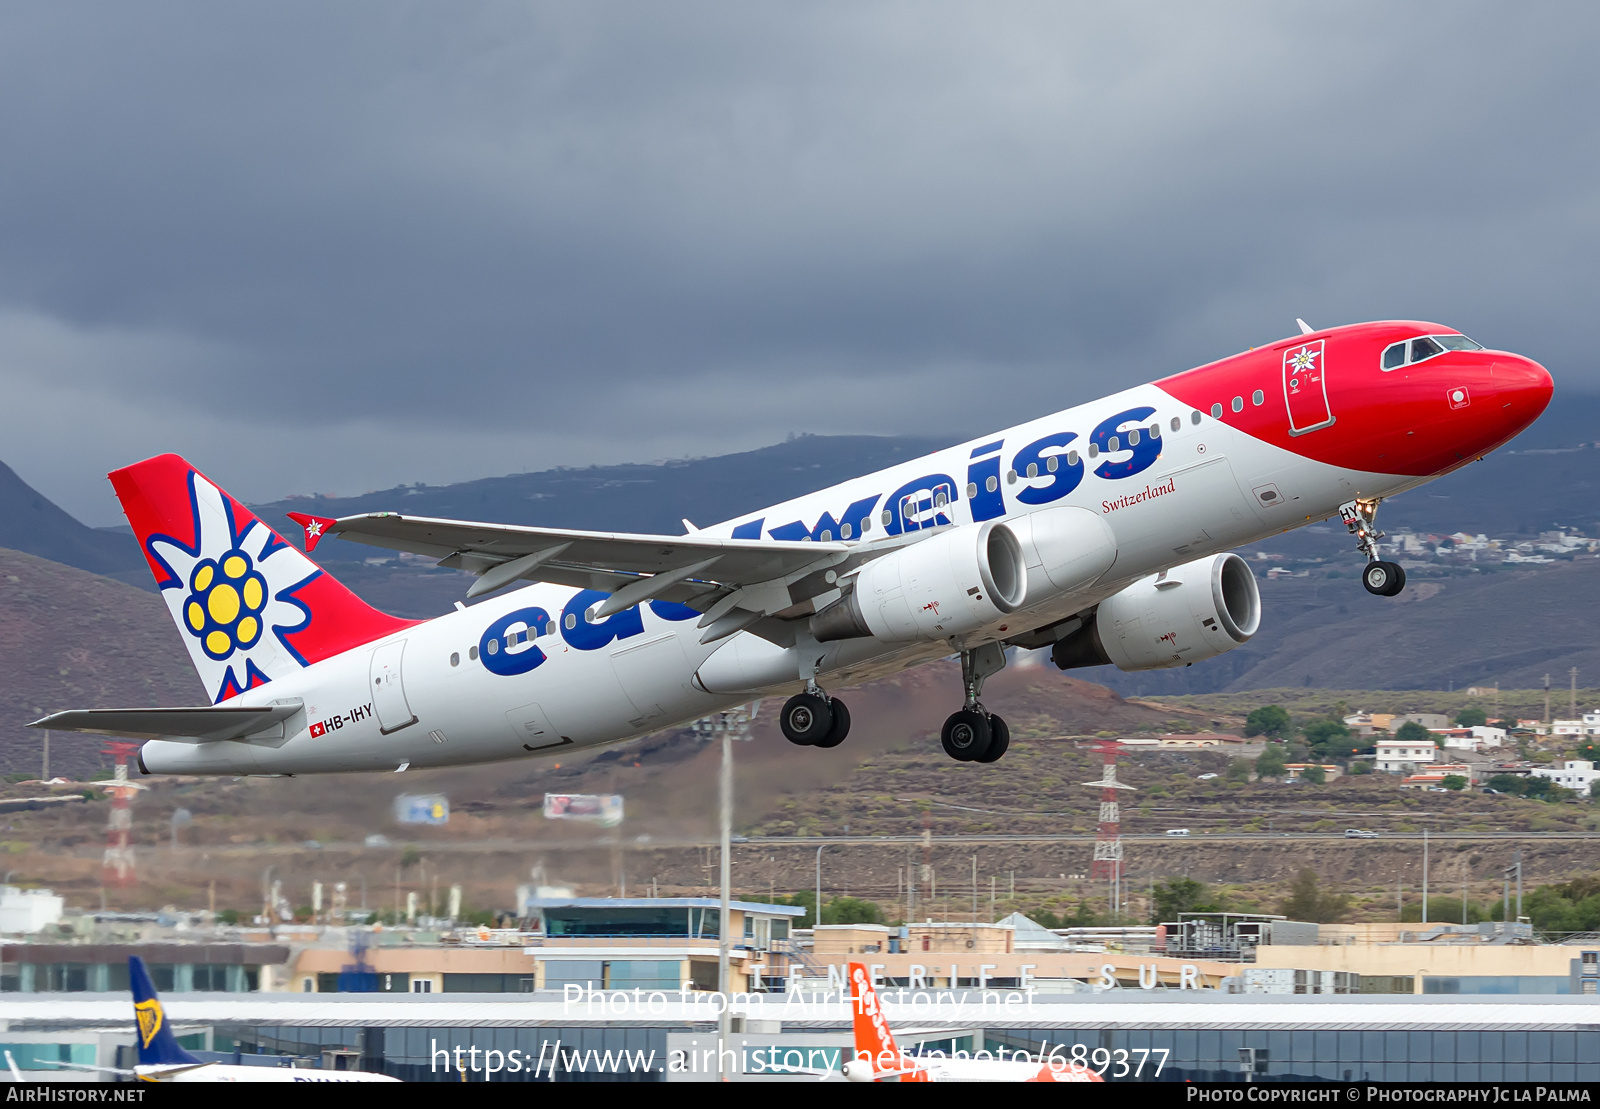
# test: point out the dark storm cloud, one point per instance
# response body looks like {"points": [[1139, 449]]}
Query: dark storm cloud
{"points": [[438, 241]]}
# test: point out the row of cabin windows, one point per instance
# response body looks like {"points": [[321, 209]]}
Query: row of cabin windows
{"points": [[1257, 398]]}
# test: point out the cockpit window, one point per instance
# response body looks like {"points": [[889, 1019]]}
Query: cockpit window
{"points": [[1424, 348]]}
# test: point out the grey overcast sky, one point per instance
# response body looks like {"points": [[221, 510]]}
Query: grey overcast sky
{"points": [[328, 247]]}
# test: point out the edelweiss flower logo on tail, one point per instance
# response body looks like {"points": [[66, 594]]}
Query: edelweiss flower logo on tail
{"points": [[232, 592]]}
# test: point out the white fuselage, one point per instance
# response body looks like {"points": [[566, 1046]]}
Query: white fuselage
{"points": [[636, 673]]}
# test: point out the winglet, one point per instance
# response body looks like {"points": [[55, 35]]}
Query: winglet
{"points": [[1305, 328], [316, 527]]}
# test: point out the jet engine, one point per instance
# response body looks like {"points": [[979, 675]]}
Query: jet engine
{"points": [[950, 584], [1181, 616]]}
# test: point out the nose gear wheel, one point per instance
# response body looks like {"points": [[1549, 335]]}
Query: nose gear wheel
{"points": [[1384, 579]]}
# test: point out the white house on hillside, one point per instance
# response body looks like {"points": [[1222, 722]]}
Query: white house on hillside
{"points": [[1588, 726], [1574, 774], [1471, 739], [1398, 756]]}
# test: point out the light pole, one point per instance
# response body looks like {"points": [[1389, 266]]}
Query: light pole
{"points": [[816, 917], [725, 725], [1424, 875]]}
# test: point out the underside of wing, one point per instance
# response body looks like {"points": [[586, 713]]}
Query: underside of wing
{"points": [[737, 584], [184, 725]]}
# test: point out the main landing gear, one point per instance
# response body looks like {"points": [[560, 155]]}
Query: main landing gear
{"points": [[813, 719], [1382, 579], [974, 734]]}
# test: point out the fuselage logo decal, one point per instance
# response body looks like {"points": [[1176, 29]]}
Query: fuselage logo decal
{"points": [[1148, 493]]}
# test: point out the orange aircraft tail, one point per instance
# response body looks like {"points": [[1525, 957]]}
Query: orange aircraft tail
{"points": [[874, 1042]]}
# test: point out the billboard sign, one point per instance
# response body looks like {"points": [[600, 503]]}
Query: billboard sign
{"points": [[422, 808], [604, 810]]}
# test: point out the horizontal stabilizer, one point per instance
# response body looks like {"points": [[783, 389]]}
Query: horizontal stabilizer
{"points": [[185, 725]]}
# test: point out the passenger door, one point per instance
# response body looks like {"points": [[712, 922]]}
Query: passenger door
{"points": [[1305, 387]]}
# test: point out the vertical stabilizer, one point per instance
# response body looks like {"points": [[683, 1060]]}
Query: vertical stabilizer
{"points": [[156, 1043], [874, 1042], [249, 606]]}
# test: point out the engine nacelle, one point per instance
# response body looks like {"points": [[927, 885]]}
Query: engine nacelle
{"points": [[950, 584], [1190, 613]]}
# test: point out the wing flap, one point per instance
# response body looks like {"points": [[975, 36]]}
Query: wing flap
{"points": [[208, 724]]}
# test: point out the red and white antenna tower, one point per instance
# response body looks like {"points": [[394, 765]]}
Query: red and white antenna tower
{"points": [[117, 869], [1108, 832]]}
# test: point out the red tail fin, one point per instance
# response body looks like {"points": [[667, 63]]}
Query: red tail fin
{"points": [[874, 1042], [250, 606]]}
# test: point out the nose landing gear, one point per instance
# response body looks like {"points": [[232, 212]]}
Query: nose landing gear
{"points": [[974, 734], [1381, 579]]}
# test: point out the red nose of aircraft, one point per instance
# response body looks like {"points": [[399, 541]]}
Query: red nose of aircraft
{"points": [[1509, 394]]}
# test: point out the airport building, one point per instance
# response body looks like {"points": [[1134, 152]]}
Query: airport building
{"points": [[1132, 1035], [591, 989]]}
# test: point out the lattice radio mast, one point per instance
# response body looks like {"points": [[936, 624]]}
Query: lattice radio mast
{"points": [[1108, 832]]}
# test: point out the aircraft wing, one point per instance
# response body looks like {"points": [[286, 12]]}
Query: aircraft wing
{"points": [[757, 577], [184, 725]]}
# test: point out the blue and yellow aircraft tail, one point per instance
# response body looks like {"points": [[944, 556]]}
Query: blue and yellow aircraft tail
{"points": [[156, 1044]]}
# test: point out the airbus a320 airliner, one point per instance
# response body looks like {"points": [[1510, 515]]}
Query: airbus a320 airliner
{"points": [[1099, 532]]}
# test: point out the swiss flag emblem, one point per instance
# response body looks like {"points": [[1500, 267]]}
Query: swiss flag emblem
{"points": [[317, 729], [315, 526]]}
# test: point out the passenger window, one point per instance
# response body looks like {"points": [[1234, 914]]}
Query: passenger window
{"points": [[1216, 411], [888, 517], [1052, 463], [992, 484], [455, 658], [1011, 477], [1155, 430], [1094, 451], [844, 531], [1257, 397], [1194, 417], [1394, 356], [1424, 348], [1238, 404], [827, 535], [1133, 438], [972, 492], [1177, 423], [1033, 469], [1113, 445], [472, 653], [571, 621], [1072, 458]]}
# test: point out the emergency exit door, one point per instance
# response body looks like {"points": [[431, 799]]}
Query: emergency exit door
{"points": [[388, 688]]}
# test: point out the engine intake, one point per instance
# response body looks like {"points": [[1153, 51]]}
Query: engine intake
{"points": [[950, 584], [1188, 614]]}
